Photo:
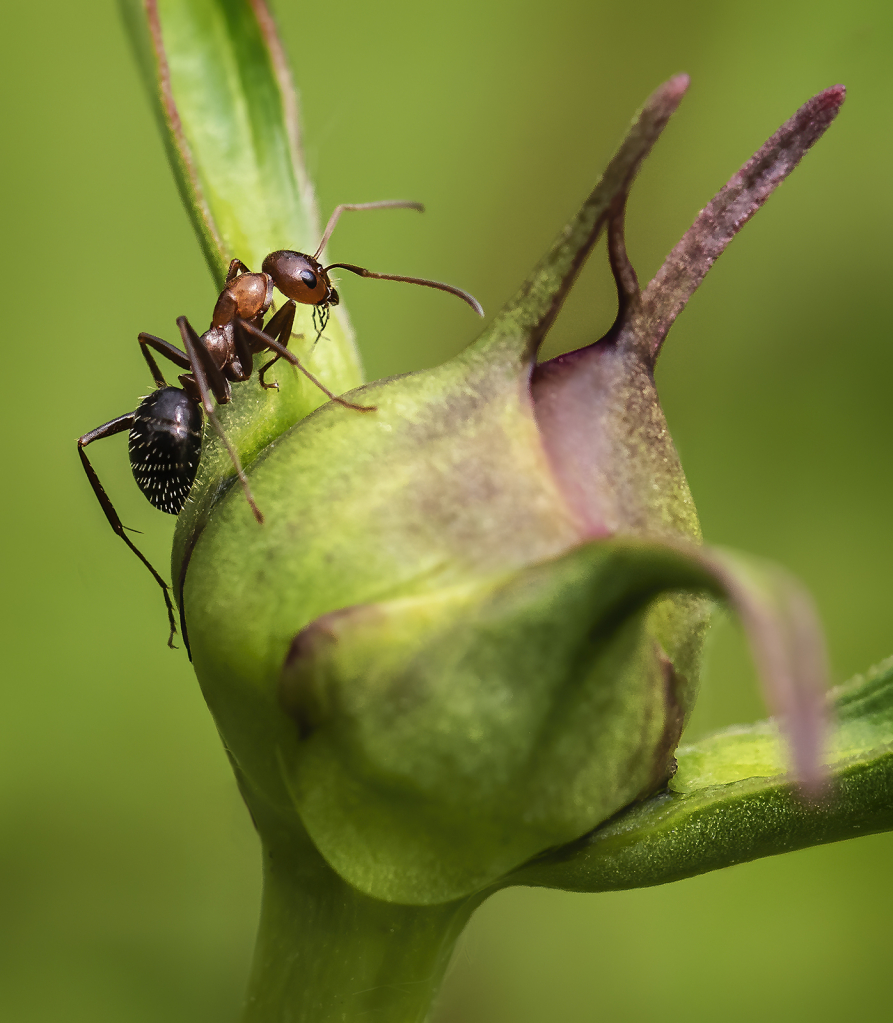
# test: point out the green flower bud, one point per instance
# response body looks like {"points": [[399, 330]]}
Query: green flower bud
{"points": [[470, 626]]}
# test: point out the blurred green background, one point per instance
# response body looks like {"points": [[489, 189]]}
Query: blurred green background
{"points": [[128, 869]]}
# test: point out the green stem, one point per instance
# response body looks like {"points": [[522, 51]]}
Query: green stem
{"points": [[326, 953], [732, 801]]}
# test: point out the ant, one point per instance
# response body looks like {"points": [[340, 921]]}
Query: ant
{"points": [[165, 441], [303, 279]]}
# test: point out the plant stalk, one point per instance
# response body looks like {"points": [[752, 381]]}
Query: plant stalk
{"points": [[326, 953]]}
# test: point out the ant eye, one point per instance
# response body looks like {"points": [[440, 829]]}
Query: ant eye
{"points": [[309, 278]]}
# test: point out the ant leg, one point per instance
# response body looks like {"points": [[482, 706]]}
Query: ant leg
{"points": [[164, 348], [268, 365], [236, 267], [197, 355], [243, 352], [458, 292], [284, 353], [385, 204], [157, 375], [279, 326], [119, 425]]}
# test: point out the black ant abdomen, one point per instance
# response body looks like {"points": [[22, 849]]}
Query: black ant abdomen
{"points": [[165, 447]]}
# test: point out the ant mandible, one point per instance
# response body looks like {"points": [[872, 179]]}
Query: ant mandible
{"points": [[165, 441]]}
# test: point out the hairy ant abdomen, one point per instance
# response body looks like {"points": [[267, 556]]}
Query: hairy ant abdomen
{"points": [[165, 447]]}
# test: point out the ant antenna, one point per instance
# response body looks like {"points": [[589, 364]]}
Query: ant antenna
{"points": [[458, 292], [385, 204]]}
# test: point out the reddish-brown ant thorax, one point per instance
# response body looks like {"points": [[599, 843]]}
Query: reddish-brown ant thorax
{"points": [[246, 296], [299, 277]]}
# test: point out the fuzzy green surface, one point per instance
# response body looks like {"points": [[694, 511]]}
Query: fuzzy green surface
{"points": [[444, 486], [731, 801]]}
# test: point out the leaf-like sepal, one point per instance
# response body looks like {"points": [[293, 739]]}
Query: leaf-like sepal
{"points": [[444, 739]]}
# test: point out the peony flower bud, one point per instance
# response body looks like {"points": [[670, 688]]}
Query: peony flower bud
{"points": [[469, 629]]}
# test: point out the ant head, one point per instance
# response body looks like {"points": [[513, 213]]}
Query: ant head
{"points": [[300, 277]]}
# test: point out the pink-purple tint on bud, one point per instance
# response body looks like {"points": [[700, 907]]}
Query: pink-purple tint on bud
{"points": [[470, 628], [601, 422]]}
